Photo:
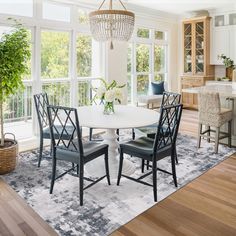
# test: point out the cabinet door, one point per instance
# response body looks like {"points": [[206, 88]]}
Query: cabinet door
{"points": [[220, 44], [233, 43], [188, 46]]}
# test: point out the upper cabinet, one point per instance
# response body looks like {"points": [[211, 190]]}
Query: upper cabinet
{"points": [[196, 45], [223, 37]]}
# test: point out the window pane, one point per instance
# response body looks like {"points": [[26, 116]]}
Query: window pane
{"points": [[142, 58], [84, 55], [17, 7], [129, 87], [160, 35], [54, 54], [143, 33], [159, 77], [142, 84], [56, 12], [129, 57], [58, 93], [84, 92], [83, 16], [159, 58]]}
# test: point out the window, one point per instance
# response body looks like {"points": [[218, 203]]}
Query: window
{"points": [[147, 63], [17, 7], [54, 54], [160, 35], [56, 12], [83, 16], [84, 55], [143, 33]]}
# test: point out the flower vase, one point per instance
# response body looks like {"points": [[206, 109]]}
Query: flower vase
{"points": [[108, 108]]}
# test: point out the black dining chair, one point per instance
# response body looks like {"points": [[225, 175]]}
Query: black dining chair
{"points": [[41, 102], [73, 150], [153, 150], [169, 98]]}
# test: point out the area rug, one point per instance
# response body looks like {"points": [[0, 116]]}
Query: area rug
{"points": [[105, 208]]}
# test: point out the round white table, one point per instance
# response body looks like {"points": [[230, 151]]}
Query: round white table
{"points": [[125, 117]]}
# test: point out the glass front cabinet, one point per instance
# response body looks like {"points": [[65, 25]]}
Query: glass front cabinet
{"points": [[196, 57]]}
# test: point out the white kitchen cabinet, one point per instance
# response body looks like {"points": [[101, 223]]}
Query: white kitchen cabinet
{"points": [[233, 43], [220, 44]]}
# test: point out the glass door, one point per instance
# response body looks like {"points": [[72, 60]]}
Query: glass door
{"points": [[199, 47], [188, 66]]}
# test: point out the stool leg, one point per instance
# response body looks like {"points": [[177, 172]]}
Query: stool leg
{"points": [[230, 132], [217, 139], [199, 135]]}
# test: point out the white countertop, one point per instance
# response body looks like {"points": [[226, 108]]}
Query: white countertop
{"points": [[223, 88]]}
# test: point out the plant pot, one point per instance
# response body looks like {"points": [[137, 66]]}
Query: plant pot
{"points": [[8, 156], [229, 73]]}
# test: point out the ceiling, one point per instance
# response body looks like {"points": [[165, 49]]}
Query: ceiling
{"points": [[183, 6], [175, 6]]}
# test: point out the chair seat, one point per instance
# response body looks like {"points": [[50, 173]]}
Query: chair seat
{"points": [[69, 129], [91, 150], [218, 120], [142, 146]]}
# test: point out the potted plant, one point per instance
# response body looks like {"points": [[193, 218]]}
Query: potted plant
{"points": [[229, 64], [14, 54]]}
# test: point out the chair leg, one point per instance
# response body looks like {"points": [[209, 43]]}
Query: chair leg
{"points": [[54, 165], [133, 134], [51, 148], [176, 156], [147, 165], [40, 150], [77, 169], [81, 183], [173, 159], [142, 165], [90, 134], [120, 167], [154, 178], [118, 133], [217, 135], [230, 133], [107, 168], [208, 133], [199, 135]]}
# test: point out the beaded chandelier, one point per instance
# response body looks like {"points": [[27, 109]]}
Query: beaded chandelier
{"points": [[109, 25]]}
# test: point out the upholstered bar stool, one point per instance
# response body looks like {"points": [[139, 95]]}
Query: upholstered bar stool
{"points": [[211, 115]]}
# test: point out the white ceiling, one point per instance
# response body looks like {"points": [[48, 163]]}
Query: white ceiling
{"points": [[175, 6], [183, 6]]}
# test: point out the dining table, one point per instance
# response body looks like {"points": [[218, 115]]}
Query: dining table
{"points": [[124, 117]]}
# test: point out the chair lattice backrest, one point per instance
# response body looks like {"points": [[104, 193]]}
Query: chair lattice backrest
{"points": [[41, 102], [170, 98], [168, 127], [64, 124]]}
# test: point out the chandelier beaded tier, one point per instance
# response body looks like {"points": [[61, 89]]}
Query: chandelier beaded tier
{"points": [[110, 25]]}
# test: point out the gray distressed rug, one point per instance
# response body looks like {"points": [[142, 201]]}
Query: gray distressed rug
{"points": [[105, 207]]}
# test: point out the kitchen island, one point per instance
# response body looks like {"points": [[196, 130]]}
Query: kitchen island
{"points": [[227, 97]]}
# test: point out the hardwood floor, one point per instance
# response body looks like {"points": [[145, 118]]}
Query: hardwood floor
{"points": [[204, 207], [17, 218]]}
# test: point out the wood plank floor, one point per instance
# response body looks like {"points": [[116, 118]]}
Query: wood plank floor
{"points": [[17, 218], [204, 207]]}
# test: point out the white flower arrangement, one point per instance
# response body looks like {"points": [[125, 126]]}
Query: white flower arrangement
{"points": [[110, 92]]}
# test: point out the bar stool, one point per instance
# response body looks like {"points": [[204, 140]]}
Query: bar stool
{"points": [[212, 115]]}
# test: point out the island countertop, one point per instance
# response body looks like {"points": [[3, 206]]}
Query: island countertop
{"points": [[224, 89]]}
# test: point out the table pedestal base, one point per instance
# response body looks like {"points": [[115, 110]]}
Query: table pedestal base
{"points": [[97, 167]]}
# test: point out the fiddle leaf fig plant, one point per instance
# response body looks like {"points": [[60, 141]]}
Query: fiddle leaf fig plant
{"points": [[14, 54]]}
